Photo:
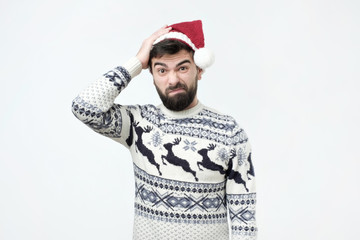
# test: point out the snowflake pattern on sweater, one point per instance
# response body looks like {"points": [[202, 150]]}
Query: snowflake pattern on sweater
{"points": [[193, 169]]}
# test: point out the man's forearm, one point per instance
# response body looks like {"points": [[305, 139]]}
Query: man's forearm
{"points": [[102, 93], [95, 105]]}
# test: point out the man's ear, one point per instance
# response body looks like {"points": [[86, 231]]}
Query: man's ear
{"points": [[200, 72]]}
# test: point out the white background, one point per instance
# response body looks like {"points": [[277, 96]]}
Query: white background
{"points": [[288, 71]]}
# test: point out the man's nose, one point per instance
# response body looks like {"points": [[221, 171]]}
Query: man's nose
{"points": [[173, 78]]}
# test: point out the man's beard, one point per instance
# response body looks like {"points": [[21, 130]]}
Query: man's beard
{"points": [[181, 100]]}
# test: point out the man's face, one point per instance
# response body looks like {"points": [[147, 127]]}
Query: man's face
{"points": [[175, 78]]}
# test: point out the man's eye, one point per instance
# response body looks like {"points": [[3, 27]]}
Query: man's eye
{"points": [[182, 68], [161, 70]]}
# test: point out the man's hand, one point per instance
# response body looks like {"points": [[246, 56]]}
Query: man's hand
{"points": [[144, 52]]}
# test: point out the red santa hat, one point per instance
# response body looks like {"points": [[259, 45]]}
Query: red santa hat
{"points": [[192, 34]]}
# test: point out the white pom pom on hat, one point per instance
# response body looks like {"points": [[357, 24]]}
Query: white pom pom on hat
{"points": [[192, 34], [204, 58]]}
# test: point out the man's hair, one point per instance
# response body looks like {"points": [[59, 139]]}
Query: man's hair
{"points": [[168, 46]]}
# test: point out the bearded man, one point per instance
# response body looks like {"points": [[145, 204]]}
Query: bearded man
{"points": [[192, 164]]}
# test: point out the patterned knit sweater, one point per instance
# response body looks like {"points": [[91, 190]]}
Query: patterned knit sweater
{"points": [[193, 169]]}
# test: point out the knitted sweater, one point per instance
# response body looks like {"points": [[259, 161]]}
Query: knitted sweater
{"points": [[193, 169]]}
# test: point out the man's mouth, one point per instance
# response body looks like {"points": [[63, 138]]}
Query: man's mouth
{"points": [[176, 90], [179, 88]]}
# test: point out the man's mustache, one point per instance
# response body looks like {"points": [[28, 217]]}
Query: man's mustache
{"points": [[177, 86]]}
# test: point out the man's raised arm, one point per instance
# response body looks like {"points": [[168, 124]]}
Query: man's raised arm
{"points": [[95, 105]]}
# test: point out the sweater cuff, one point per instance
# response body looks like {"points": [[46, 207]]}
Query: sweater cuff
{"points": [[133, 66]]}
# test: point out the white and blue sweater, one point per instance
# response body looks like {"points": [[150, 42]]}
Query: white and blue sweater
{"points": [[193, 169]]}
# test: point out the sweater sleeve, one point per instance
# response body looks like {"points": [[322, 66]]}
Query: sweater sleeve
{"points": [[95, 105], [240, 189]]}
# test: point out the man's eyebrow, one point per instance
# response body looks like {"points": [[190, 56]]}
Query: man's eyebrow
{"points": [[160, 63], [181, 63]]}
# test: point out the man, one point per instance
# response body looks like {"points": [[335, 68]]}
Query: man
{"points": [[192, 164]]}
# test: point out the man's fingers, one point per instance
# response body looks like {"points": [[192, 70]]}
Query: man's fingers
{"points": [[165, 29], [144, 52]]}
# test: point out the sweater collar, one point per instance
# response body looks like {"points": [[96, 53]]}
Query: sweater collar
{"points": [[184, 113]]}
